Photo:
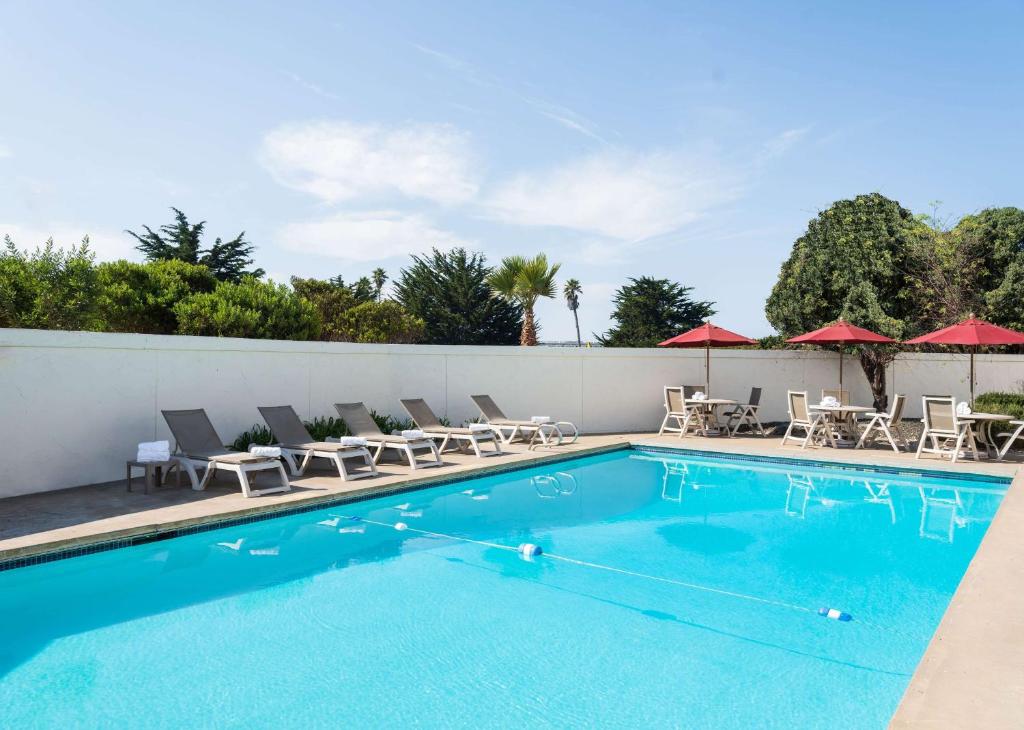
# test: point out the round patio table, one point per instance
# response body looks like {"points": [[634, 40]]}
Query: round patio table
{"points": [[983, 432], [709, 415], [844, 418]]}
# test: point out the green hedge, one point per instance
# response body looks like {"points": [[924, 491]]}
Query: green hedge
{"points": [[1010, 404], [319, 428]]}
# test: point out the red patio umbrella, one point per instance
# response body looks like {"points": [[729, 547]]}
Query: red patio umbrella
{"points": [[707, 336], [972, 333], [841, 333]]}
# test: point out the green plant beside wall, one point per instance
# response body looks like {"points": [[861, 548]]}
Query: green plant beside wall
{"points": [[251, 308], [1010, 404]]}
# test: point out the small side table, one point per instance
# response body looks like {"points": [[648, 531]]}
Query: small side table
{"points": [[154, 468]]}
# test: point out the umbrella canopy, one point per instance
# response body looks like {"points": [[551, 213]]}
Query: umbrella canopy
{"points": [[840, 333], [707, 336], [973, 333]]}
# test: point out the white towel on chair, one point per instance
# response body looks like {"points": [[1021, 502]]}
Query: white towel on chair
{"points": [[154, 451], [540, 419], [699, 395], [963, 408], [413, 433], [480, 427], [271, 452], [830, 401], [348, 440]]}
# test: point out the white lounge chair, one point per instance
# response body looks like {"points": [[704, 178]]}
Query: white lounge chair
{"points": [[429, 423], [546, 432], [295, 441], [361, 423], [800, 417], [677, 410], [945, 434], [888, 425], [198, 445]]}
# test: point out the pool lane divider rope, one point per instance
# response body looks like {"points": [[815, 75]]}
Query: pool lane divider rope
{"points": [[529, 552]]}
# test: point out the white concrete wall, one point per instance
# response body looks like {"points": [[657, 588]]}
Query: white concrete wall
{"points": [[73, 405]]}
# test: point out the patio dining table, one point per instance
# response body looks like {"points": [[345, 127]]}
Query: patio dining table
{"points": [[844, 419], [983, 423], [709, 424]]}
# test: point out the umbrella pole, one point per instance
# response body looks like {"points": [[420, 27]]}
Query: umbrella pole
{"points": [[973, 350], [707, 369], [840, 367]]}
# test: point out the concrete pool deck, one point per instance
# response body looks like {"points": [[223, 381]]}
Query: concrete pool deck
{"points": [[971, 674]]}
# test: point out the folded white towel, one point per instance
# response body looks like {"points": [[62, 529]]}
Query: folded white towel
{"points": [[480, 427], [830, 401], [699, 395], [541, 419], [413, 433], [272, 452], [963, 409], [153, 451], [350, 441]]}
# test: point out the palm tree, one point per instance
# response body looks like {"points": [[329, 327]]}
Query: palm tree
{"points": [[572, 291], [380, 277], [524, 281]]}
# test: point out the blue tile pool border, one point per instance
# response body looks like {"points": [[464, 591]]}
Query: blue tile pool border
{"points": [[430, 483], [835, 465]]}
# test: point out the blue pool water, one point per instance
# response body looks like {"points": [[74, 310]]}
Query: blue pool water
{"points": [[675, 591]]}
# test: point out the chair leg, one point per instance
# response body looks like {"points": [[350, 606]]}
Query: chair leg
{"points": [[342, 469], [788, 435], [207, 475], [285, 484], [410, 456], [664, 423], [244, 481], [888, 435], [920, 444], [378, 453], [867, 432], [476, 446]]}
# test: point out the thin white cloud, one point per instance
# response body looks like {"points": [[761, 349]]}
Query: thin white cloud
{"points": [[338, 161], [781, 143], [5, 151], [108, 245], [311, 87], [619, 194], [367, 236]]}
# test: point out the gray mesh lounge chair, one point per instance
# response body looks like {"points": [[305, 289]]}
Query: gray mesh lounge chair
{"points": [[197, 445], [425, 419], [800, 417], [361, 423], [294, 440], [944, 433], [888, 425], [547, 432]]}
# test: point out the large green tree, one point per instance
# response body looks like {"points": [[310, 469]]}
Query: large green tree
{"points": [[181, 240], [649, 311], [448, 290], [137, 297], [854, 261], [347, 317], [251, 308], [523, 281]]}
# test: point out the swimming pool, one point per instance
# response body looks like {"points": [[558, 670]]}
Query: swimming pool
{"points": [[674, 590]]}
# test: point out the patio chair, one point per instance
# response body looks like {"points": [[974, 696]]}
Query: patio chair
{"points": [[361, 423], [1011, 437], [800, 417], [197, 445], [429, 423], [746, 414], [677, 410], [943, 427], [843, 396], [888, 425], [295, 441], [546, 431]]}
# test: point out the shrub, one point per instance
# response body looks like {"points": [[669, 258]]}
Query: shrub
{"points": [[383, 322], [250, 308], [1010, 404], [48, 288], [257, 434], [323, 426], [141, 297]]}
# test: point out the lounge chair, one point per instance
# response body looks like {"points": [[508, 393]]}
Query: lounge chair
{"points": [[843, 396], [198, 445], [429, 423], [677, 410], [361, 423], [546, 432], [801, 417], [745, 414], [888, 425], [944, 432], [295, 441]]}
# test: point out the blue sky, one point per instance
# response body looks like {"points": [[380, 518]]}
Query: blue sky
{"points": [[691, 141]]}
